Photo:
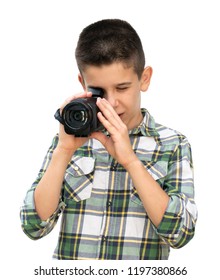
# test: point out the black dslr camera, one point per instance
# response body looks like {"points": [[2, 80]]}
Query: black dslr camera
{"points": [[79, 117]]}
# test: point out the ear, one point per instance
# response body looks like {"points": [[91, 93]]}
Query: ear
{"points": [[145, 78], [81, 80]]}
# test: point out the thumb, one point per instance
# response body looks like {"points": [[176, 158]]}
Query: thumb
{"points": [[105, 141], [100, 137]]}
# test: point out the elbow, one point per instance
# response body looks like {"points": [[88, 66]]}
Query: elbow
{"points": [[32, 233], [183, 234], [180, 231], [178, 227], [183, 238]]}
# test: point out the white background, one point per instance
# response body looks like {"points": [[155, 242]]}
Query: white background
{"points": [[38, 72]]}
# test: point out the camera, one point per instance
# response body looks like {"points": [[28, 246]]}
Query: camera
{"points": [[79, 117]]}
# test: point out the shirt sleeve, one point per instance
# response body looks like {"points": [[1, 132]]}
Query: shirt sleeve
{"points": [[177, 227], [31, 223]]}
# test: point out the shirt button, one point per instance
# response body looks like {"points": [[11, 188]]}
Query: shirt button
{"points": [[104, 238], [76, 168], [109, 203]]}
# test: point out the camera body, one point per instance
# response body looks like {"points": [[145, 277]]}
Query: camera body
{"points": [[79, 117]]}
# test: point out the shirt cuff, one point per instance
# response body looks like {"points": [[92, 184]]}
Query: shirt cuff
{"points": [[32, 224]]}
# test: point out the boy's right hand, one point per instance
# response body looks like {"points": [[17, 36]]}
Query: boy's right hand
{"points": [[69, 143]]}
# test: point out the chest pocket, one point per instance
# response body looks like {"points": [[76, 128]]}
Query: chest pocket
{"points": [[158, 170], [78, 179]]}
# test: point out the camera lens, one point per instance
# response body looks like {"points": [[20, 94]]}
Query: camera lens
{"points": [[76, 118], [79, 116]]}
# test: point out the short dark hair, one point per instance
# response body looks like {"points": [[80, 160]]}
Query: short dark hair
{"points": [[107, 41]]}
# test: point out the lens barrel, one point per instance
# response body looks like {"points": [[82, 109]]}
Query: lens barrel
{"points": [[79, 117]]}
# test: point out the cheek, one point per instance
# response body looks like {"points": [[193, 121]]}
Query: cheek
{"points": [[131, 105], [130, 100]]}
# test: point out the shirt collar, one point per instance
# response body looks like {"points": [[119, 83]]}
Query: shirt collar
{"points": [[146, 127]]}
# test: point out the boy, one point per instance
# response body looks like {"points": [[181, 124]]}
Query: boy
{"points": [[126, 193]]}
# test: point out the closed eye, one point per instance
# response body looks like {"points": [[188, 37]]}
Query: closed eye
{"points": [[122, 89]]}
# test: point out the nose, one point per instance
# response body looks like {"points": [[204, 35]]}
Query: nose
{"points": [[111, 98]]}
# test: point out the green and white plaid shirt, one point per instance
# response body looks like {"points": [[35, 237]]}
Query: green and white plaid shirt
{"points": [[102, 214]]}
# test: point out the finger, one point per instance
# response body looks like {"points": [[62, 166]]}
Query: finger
{"points": [[104, 140], [76, 96], [111, 128], [109, 113], [79, 95], [107, 107], [99, 136]]}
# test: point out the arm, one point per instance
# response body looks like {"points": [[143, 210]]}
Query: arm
{"points": [[178, 224], [42, 205], [47, 193], [153, 197], [31, 223], [179, 215]]}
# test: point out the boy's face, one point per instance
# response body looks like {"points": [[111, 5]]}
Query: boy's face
{"points": [[121, 87]]}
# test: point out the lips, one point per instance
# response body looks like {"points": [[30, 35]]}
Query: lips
{"points": [[121, 116]]}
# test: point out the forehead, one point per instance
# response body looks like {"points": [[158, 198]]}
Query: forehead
{"points": [[114, 73]]}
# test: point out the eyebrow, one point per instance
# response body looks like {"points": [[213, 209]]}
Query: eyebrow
{"points": [[124, 84], [117, 85]]}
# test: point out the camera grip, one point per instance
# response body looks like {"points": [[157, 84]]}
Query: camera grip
{"points": [[58, 116]]}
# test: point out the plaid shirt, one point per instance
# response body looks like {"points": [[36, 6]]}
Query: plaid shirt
{"points": [[102, 214]]}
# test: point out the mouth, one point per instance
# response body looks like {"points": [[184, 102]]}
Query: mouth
{"points": [[120, 115]]}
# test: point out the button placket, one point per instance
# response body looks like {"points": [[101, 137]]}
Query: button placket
{"points": [[109, 203], [114, 165]]}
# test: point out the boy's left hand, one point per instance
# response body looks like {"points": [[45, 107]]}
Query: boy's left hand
{"points": [[118, 144]]}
